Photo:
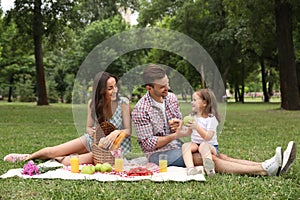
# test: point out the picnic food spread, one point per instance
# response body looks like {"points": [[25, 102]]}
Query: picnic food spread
{"points": [[139, 171], [107, 168], [31, 169]]}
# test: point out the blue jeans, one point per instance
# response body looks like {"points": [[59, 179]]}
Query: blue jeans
{"points": [[174, 157]]}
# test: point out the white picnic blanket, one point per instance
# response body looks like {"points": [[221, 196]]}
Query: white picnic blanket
{"points": [[172, 174]]}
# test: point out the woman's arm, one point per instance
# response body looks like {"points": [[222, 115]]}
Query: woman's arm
{"points": [[90, 128], [125, 112], [125, 108]]}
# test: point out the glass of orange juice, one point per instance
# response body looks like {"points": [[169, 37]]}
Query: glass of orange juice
{"points": [[163, 162], [74, 162], [119, 164]]}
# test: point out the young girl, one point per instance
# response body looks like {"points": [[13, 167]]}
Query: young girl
{"points": [[204, 132]]}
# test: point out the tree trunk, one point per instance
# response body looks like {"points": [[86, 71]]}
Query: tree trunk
{"points": [[10, 91], [38, 53], [270, 89], [203, 77], [263, 80], [236, 93], [225, 74], [298, 75], [290, 99], [242, 94]]}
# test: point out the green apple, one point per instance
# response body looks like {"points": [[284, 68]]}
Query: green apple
{"points": [[187, 119], [87, 169], [93, 169], [98, 167], [107, 167], [102, 168]]}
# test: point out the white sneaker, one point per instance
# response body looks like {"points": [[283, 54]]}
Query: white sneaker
{"points": [[193, 171], [273, 165], [289, 156], [209, 167]]}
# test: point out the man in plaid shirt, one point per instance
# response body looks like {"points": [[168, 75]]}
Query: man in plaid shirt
{"points": [[155, 115]]}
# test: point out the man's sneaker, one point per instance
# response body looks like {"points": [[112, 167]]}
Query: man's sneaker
{"points": [[289, 156], [273, 165], [209, 167], [193, 171]]}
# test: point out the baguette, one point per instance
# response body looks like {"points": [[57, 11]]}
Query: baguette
{"points": [[118, 140]]}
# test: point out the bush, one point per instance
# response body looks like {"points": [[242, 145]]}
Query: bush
{"points": [[25, 90]]}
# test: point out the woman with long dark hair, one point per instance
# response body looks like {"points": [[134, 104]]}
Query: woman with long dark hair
{"points": [[105, 105]]}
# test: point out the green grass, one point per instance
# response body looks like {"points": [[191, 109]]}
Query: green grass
{"points": [[251, 131]]}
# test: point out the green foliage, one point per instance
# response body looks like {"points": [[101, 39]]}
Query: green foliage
{"points": [[52, 94], [25, 89], [98, 31], [151, 12], [238, 35], [15, 62], [98, 10], [137, 93], [56, 16], [81, 95], [248, 134]]}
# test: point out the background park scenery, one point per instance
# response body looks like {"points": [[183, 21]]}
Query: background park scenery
{"points": [[254, 44]]}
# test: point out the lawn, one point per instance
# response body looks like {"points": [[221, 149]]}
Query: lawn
{"points": [[251, 131]]}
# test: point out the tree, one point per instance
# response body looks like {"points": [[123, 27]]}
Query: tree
{"points": [[286, 56], [46, 22], [95, 10], [15, 60], [204, 21], [39, 20], [255, 33], [151, 12]]}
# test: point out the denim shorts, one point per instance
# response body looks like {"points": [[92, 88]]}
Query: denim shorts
{"points": [[216, 147], [89, 142]]}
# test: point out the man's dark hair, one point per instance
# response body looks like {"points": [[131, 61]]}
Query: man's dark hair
{"points": [[151, 73]]}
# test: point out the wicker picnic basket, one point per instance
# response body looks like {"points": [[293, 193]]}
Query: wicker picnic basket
{"points": [[101, 155]]}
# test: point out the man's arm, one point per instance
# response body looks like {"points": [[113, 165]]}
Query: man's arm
{"points": [[181, 131], [164, 140]]}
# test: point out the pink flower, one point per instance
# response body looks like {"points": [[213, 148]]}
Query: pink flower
{"points": [[30, 169]]}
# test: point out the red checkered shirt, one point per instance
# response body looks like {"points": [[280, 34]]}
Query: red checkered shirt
{"points": [[149, 123]]}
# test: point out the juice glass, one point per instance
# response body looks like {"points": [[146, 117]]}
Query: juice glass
{"points": [[119, 164], [74, 162], [163, 162]]}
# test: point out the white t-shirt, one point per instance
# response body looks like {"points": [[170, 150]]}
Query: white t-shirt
{"points": [[208, 124], [162, 107]]}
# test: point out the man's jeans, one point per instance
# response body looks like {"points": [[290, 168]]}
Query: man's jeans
{"points": [[174, 157]]}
